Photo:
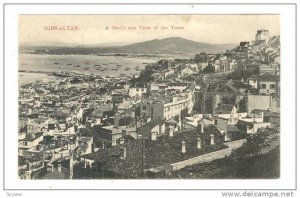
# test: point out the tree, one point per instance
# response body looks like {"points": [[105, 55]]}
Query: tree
{"points": [[144, 77], [209, 69]]}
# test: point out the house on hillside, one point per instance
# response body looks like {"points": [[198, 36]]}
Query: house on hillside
{"points": [[269, 85]]}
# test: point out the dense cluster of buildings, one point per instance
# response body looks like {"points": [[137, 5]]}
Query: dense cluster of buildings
{"points": [[93, 126]]}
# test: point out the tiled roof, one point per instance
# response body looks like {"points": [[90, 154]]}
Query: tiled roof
{"points": [[269, 77], [163, 151], [56, 175], [224, 108], [191, 77], [176, 84], [253, 77], [232, 128], [229, 86], [61, 114], [149, 125], [126, 121]]}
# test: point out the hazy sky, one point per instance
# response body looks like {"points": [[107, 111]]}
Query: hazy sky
{"points": [[97, 29]]}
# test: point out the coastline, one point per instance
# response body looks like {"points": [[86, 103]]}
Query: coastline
{"points": [[40, 72], [27, 77]]}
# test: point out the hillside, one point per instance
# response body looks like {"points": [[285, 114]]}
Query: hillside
{"points": [[174, 45]]}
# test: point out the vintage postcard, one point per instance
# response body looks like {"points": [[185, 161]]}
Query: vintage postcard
{"points": [[149, 96]]}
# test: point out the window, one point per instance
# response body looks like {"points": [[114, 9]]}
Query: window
{"points": [[137, 89], [272, 86], [263, 86], [144, 107], [25, 143]]}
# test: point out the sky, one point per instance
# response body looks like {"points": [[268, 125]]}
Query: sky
{"points": [[99, 29]]}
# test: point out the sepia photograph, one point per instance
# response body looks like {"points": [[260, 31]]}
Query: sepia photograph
{"points": [[149, 96]]}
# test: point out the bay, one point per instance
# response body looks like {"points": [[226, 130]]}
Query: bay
{"points": [[87, 64]]}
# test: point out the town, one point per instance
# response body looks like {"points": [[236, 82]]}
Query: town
{"points": [[174, 115]]}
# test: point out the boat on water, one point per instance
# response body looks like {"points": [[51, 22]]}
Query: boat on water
{"points": [[76, 65], [69, 64], [56, 63], [127, 68], [119, 65], [97, 65], [86, 68]]}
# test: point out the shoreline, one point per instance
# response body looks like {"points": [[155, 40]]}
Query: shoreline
{"points": [[39, 72], [29, 77], [125, 55]]}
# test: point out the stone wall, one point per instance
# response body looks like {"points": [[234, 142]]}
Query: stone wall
{"points": [[235, 144], [201, 159]]}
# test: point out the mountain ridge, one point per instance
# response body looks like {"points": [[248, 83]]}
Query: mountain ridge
{"points": [[171, 45]]}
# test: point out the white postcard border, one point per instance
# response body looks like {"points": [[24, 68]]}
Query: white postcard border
{"points": [[288, 96]]}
